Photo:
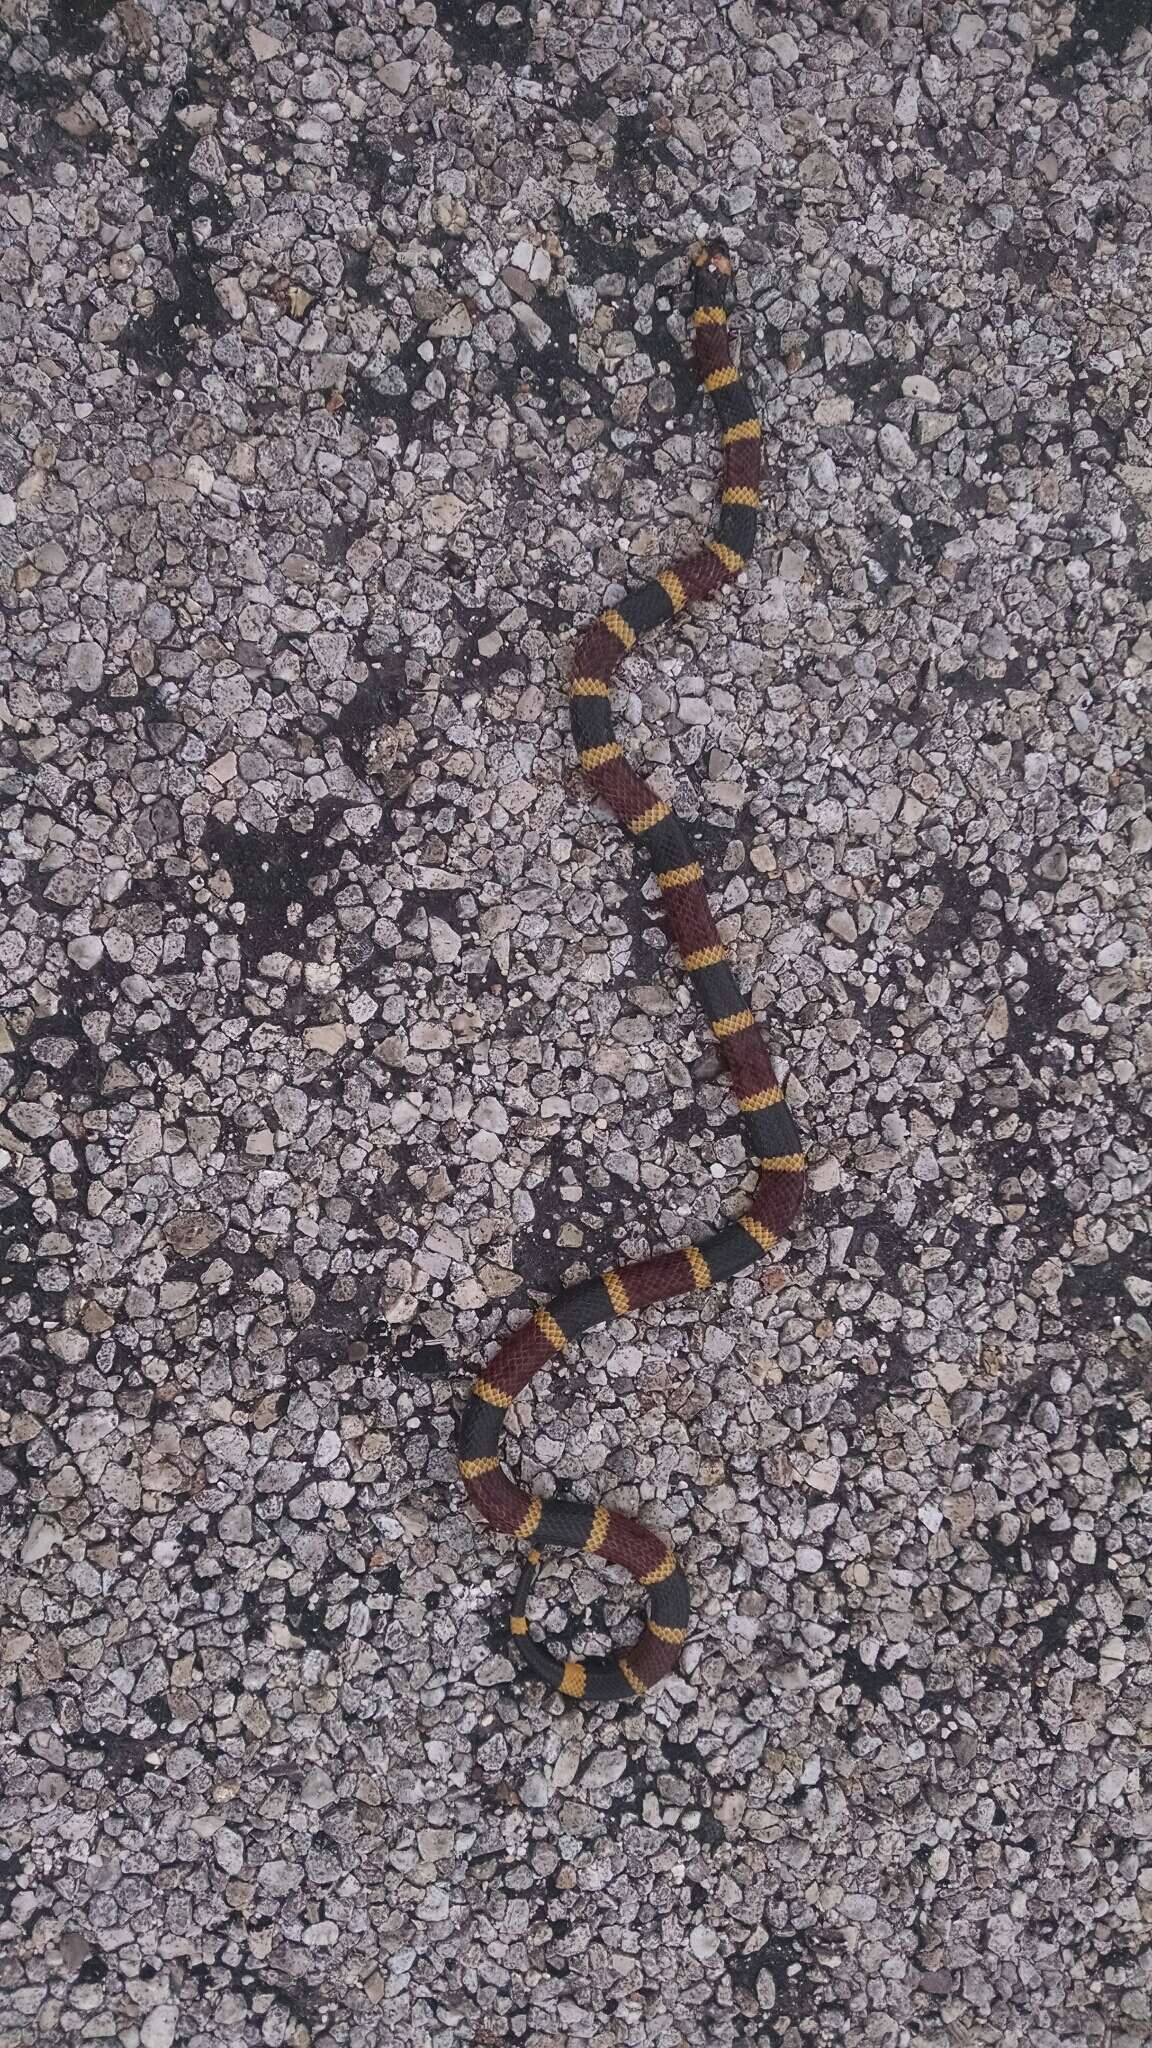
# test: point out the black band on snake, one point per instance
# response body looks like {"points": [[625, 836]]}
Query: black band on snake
{"points": [[770, 1132]]}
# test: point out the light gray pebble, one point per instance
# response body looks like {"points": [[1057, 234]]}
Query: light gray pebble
{"points": [[896, 448], [317, 1790]]}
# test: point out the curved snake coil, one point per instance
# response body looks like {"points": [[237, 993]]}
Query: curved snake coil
{"points": [[771, 1134]]}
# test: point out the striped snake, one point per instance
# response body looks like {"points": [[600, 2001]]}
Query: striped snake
{"points": [[771, 1134]]}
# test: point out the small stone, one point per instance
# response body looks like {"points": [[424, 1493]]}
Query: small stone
{"points": [[825, 1477], [330, 651], [603, 1768], [834, 412], [455, 324], [35, 1119], [497, 1281], [895, 448], [7, 509], [317, 1790], [76, 121], [158, 2027], [442, 514], [824, 1174], [922, 389], [704, 1942], [933, 426], [228, 1851], [996, 1019], [968, 31], [784, 48], [907, 109], [192, 1231], [819, 168], [87, 951], [85, 665], [329, 1038], [493, 1671], [445, 943], [789, 1677], [42, 1538], [743, 21], [537, 330], [435, 1844], [69, 1345], [397, 76], [263, 46], [451, 213], [1113, 1657], [844, 345], [146, 1138], [232, 297], [808, 1559]]}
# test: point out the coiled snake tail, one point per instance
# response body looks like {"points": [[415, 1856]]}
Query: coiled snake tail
{"points": [[770, 1132]]}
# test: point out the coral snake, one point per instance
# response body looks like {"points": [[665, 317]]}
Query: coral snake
{"points": [[770, 1132]]}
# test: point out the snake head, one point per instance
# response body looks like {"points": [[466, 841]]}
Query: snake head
{"points": [[712, 254]]}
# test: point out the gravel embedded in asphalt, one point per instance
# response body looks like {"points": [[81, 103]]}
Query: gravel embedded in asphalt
{"points": [[346, 376]]}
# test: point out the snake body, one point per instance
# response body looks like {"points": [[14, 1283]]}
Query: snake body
{"points": [[771, 1135]]}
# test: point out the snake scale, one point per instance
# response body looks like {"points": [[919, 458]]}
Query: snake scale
{"points": [[771, 1135]]}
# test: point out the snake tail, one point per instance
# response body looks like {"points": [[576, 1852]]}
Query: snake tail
{"points": [[772, 1139]]}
